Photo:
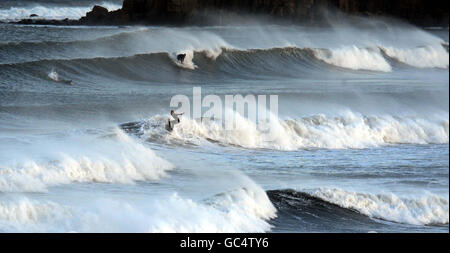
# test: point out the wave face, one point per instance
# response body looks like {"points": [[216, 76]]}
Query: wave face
{"points": [[319, 131], [421, 57], [328, 206], [424, 210], [362, 130], [242, 210], [220, 63], [230, 54]]}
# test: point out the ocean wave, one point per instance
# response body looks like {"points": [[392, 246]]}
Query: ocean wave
{"points": [[26, 215], [221, 62], [354, 58], [208, 64], [50, 12], [245, 209], [56, 43], [424, 210], [126, 42], [420, 57], [242, 210], [116, 161], [290, 56], [351, 130]]}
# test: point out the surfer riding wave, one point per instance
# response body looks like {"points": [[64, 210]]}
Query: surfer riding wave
{"points": [[176, 120], [180, 57]]}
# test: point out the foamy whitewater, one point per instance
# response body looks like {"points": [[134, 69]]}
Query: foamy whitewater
{"points": [[359, 144]]}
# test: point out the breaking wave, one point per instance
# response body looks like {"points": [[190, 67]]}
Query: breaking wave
{"points": [[107, 161], [355, 58], [424, 210], [318, 131], [420, 57], [332, 205], [242, 210], [218, 64]]}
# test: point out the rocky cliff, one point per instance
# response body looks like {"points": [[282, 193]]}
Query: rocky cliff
{"points": [[210, 12]]}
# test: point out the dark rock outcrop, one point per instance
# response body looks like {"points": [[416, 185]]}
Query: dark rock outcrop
{"points": [[200, 12], [213, 12], [33, 21], [101, 16], [98, 13]]}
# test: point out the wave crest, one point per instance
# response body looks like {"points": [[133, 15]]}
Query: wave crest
{"points": [[242, 210], [109, 162], [425, 210], [420, 57], [319, 131], [354, 58]]}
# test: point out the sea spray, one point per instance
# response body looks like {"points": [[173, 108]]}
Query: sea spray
{"points": [[119, 160], [354, 58], [352, 130], [428, 209]]}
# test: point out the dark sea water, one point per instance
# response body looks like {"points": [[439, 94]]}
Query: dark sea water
{"points": [[361, 141]]}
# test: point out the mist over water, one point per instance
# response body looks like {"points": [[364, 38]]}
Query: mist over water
{"points": [[361, 135]]}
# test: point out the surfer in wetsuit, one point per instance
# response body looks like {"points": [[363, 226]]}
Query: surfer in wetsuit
{"points": [[180, 57], [176, 120]]}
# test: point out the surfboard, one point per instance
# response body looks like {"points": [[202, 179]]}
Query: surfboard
{"points": [[67, 81]]}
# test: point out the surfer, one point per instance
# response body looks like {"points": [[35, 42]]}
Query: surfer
{"points": [[180, 57], [54, 76], [172, 123]]}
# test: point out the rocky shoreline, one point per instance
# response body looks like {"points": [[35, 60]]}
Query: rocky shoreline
{"points": [[222, 12]]}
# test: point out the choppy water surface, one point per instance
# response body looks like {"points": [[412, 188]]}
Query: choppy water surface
{"points": [[361, 140]]}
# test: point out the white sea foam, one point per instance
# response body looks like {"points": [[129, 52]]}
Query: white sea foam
{"points": [[420, 57], [26, 215], [173, 41], [423, 210], [242, 210], [122, 160], [354, 58], [50, 12], [349, 130]]}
